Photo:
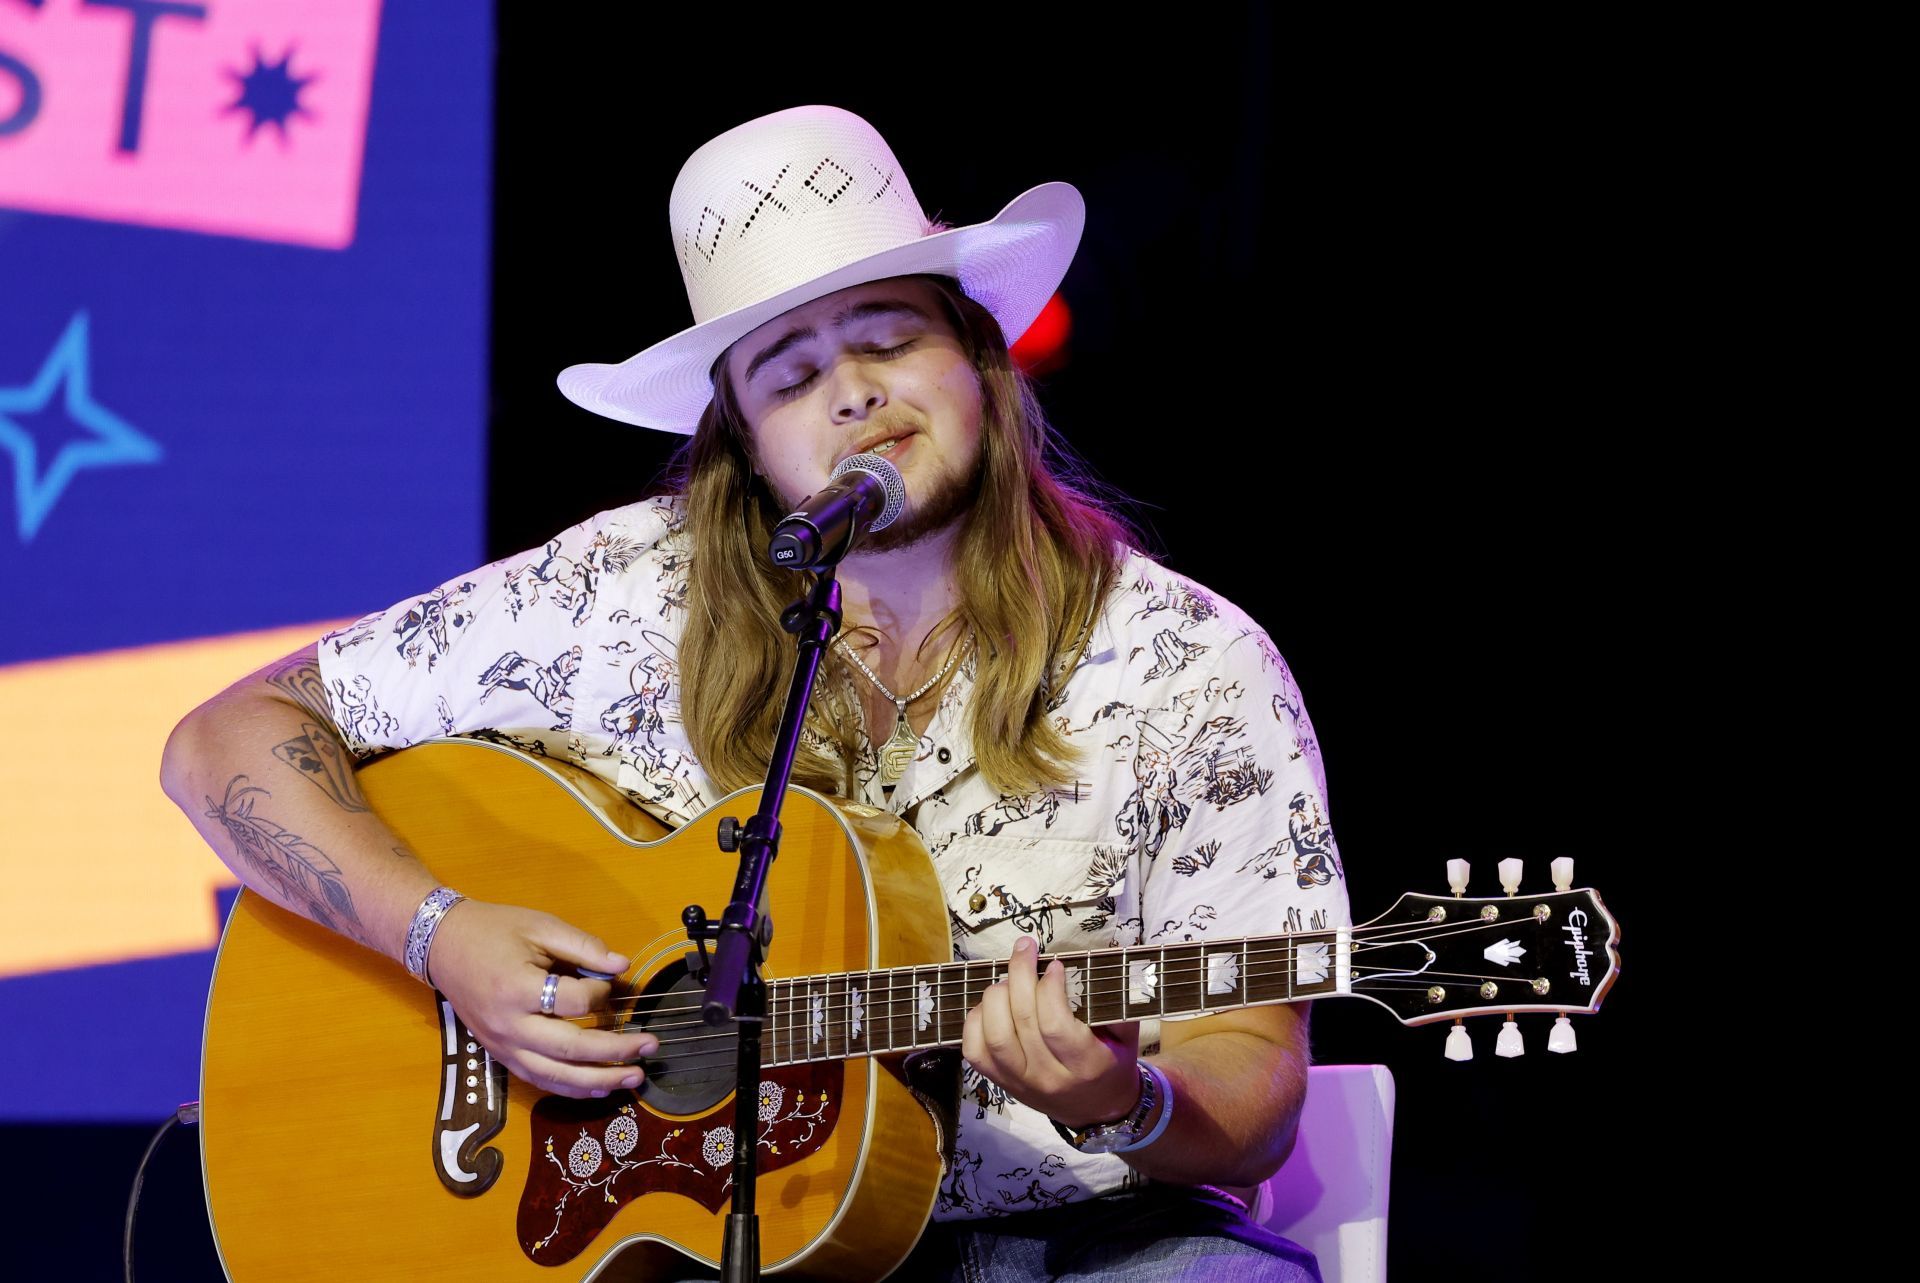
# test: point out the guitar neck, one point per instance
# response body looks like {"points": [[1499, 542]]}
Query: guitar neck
{"points": [[862, 1013]]}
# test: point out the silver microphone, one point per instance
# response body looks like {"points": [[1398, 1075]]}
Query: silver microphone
{"points": [[865, 493]]}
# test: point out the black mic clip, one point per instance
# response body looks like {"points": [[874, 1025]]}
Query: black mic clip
{"points": [[803, 612]]}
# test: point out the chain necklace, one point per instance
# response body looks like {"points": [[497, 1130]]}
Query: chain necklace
{"points": [[902, 746]]}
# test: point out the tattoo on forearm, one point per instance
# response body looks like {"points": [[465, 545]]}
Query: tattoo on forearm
{"points": [[320, 757], [299, 680], [296, 870]]}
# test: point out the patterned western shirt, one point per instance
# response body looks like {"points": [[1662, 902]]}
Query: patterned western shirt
{"points": [[1198, 812]]}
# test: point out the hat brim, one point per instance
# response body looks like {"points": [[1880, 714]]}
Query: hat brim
{"points": [[1011, 265]]}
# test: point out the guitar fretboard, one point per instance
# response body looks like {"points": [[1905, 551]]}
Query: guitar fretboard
{"points": [[861, 1013]]}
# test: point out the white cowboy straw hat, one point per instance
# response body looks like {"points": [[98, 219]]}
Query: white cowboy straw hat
{"points": [[790, 207]]}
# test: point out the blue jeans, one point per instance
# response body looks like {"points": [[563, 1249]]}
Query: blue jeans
{"points": [[1157, 1234]]}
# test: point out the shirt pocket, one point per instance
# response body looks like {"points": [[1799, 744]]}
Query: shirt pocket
{"points": [[1063, 892]]}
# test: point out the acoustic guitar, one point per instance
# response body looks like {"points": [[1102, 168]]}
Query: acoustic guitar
{"points": [[353, 1128]]}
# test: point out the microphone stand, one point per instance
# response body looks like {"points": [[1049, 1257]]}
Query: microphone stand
{"points": [[736, 989]]}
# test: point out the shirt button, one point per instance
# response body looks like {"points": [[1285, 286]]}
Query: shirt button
{"points": [[977, 902], [945, 755]]}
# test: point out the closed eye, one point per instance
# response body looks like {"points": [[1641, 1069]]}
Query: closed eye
{"points": [[793, 390]]}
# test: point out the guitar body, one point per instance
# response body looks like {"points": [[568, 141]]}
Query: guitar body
{"points": [[350, 1129]]}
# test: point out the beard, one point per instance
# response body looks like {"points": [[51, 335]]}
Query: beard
{"points": [[948, 503], [950, 500]]}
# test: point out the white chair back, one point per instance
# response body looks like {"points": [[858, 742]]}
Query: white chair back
{"points": [[1331, 1196]]}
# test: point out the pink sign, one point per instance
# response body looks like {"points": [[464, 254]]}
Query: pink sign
{"points": [[238, 117]]}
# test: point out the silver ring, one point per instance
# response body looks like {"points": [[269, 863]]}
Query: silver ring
{"points": [[548, 992]]}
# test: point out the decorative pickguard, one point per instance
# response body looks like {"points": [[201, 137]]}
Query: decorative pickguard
{"points": [[593, 1157]]}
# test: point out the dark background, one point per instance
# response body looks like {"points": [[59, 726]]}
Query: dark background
{"points": [[1369, 337], [1381, 340]]}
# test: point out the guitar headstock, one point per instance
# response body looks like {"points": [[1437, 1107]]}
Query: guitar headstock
{"points": [[1441, 957]]}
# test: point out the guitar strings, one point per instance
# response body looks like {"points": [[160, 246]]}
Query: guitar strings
{"points": [[1102, 982], [1113, 956], [1108, 975], [1385, 935], [838, 1017], [839, 1026], [688, 1068], [1109, 969], [903, 984], [884, 1015], [681, 1063]]}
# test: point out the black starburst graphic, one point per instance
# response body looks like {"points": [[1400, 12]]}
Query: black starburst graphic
{"points": [[269, 94]]}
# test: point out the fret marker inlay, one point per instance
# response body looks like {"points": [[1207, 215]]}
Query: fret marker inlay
{"points": [[1143, 980], [923, 1011], [817, 1025], [1076, 988], [1223, 972], [855, 1008], [1310, 964]]}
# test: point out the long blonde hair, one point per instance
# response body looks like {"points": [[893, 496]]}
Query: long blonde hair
{"points": [[1036, 556]]}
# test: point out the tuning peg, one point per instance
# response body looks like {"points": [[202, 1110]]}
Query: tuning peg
{"points": [[1563, 873], [1561, 1039], [1459, 1046], [1457, 876], [1508, 1043], [1510, 875]]}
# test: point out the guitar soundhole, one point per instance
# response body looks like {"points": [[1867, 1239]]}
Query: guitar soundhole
{"points": [[694, 1068]]}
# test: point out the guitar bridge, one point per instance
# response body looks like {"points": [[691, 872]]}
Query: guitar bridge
{"points": [[473, 1109]]}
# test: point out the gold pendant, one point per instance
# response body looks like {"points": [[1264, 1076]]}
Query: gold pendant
{"points": [[899, 751]]}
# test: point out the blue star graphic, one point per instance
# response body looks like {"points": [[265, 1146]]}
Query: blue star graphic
{"points": [[270, 93], [116, 442]]}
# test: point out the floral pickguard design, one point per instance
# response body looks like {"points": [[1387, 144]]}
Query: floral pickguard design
{"points": [[593, 1157]]}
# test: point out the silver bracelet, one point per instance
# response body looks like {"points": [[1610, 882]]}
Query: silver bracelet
{"points": [[426, 921], [1166, 1109]]}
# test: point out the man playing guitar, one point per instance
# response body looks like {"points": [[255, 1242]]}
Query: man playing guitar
{"points": [[1095, 751]]}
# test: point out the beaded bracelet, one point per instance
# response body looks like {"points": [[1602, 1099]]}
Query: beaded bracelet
{"points": [[426, 921]]}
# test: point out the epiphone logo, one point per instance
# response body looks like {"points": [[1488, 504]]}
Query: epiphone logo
{"points": [[1575, 921]]}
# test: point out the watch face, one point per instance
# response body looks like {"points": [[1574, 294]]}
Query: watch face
{"points": [[1104, 1140]]}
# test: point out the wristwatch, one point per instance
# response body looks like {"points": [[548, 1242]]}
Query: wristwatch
{"points": [[1122, 1134]]}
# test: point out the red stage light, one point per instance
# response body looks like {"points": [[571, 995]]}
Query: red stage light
{"points": [[1044, 346]]}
